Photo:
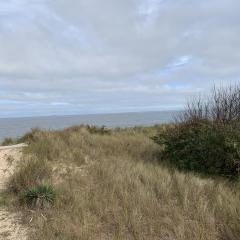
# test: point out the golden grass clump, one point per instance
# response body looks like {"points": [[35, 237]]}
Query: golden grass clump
{"points": [[111, 186]]}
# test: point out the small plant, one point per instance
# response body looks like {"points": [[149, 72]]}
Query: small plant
{"points": [[40, 196]]}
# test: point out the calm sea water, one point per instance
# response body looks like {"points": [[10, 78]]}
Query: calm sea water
{"points": [[15, 127]]}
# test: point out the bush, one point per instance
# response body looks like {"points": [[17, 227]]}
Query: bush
{"points": [[203, 147], [39, 196], [206, 137], [223, 105]]}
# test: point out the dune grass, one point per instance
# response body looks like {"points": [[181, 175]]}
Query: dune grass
{"points": [[111, 185]]}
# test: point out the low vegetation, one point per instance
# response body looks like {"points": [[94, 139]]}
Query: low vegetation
{"points": [[7, 142], [206, 138], [111, 186], [31, 172], [95, 183], [39, 196]]}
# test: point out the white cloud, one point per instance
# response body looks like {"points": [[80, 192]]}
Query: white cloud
{"points": [[85, 52]]}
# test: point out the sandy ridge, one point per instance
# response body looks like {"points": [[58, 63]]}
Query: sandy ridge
{"points": [[10, 225]]}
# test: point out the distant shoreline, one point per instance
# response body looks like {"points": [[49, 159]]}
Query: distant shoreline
{"points": [[90, 114], [16, 127]]}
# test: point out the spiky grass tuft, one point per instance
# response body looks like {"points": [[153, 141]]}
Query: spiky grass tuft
{"points": [[40, 196]]}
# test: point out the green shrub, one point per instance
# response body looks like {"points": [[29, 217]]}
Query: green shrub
{"points": [[39, 196], [206, 136], [203, 146]]}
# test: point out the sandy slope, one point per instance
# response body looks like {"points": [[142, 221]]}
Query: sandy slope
{"points": [[10, 227]]}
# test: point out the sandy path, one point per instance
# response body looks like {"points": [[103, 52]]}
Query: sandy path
{"points": [[10, 227]]}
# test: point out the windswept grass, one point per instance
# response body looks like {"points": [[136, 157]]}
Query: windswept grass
{"points": [[111, 186], [31, 172]]}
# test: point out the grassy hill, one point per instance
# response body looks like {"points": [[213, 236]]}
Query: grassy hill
{"points": [[111, 184]]}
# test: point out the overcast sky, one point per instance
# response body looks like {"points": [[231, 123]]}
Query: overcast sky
{"points": [[99, 56]]}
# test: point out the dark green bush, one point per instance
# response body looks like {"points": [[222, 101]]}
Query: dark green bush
{"points": [[203, 146], [206, 136]]}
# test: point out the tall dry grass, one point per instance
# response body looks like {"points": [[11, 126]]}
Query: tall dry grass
{"points": [[111, 186]]}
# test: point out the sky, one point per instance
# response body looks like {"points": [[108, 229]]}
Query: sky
{"points": [[63, 57]]}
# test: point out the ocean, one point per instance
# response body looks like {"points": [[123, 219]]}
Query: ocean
{"points": [[15, 127]]}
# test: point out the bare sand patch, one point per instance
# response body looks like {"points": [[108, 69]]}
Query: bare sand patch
{"points": [[10, 223]]}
